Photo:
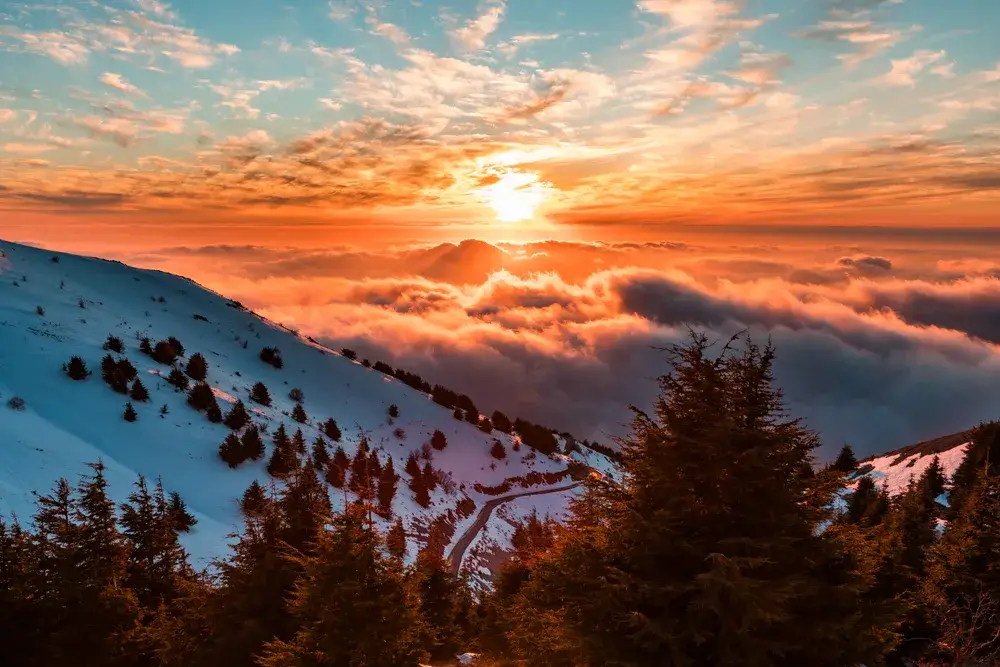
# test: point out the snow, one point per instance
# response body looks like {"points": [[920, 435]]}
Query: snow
{"points": [[66, 423], [896, 475]]}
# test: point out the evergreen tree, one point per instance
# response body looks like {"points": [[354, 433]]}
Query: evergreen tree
{"points": [[282, 462], [139, 392], [331, 430], [349, 572], [320, 454], [231, 451], [254, 498], [130, 414], [164, 353], [412, 465], [429, 477], [296, 395], [299, 442], [237, 417], [183, 521], [501, 422], [395, 540], [336, 472], [439, 592], [861, 501], [846, 461], [498, 451], [712, 487], [305, 506], [932, 480], [146, 346], [981, 457], [201, 397], [178, 379], [387, 482], [252, 443], [197, 367], [77, 369], [458, 414], [114, 344], [438, 441], [393, 411], [299, 414], [361, 482], [260, 394]]}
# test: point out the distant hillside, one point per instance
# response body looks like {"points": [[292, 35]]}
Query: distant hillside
{"points": [[55, 306]]}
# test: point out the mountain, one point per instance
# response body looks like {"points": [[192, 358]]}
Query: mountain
{"points": [[895, 468], [56, 306]]}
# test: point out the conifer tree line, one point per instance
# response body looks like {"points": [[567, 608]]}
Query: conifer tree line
{"points": [[725, 545]]}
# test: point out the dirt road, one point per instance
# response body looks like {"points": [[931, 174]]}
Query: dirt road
{"points": [[456, 555]]}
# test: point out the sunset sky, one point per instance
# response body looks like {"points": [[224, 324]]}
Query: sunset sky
{"points": [[824, 172], [554, 116]]}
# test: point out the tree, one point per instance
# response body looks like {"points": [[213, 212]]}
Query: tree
{"points": [[429, 477], [982, 457], [361, 482], [252, 443], [336, 472], [860, 503], [260, 394], [283, 457], [139, 392], [253, 499], [387, 481], [439, 592], [77, 369], [497, 451], [164, 353], [412, 465], [130, 414], [331, 430], [296, 395], [846, 461], [393, 411], [114, 344], [197, 367], [395, 540], [320, 454], [752, 581], [458, 414], [501, 422], [182, 520], [231, 451], [272, 357], [438, 441], [178, 379], [932, 480], [299, 442], [485, 425], [299, 414], [348, 571], [176, 346], [237, 417]]}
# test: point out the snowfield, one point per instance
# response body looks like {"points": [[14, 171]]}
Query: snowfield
{"points": [[54, 306]]}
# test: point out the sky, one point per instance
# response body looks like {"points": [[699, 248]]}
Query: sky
{"points": [[823, 172], [514, 117]]}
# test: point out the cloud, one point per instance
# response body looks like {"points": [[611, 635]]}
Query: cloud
{"points": [[866, 38], [517, 42], [904, 70], [59, 46], [118, 83], [7, 115], [29, 149], [472, 36], [872, 359]]}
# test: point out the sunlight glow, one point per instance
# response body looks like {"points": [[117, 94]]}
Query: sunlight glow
{"points": [[515, 195]]}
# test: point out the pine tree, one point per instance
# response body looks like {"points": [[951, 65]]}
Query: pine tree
{"points": [[299, 414], [114, 344], [283, 460], [260, 394], [231, 451], [139, 392], [932, 480], [438, 441], [846, 461], [860, 502], [981, 457], [498, 451], [501, 422], [336, 472], [201, 397], [146, 346], [183, 521], [252, 444], [237, 417], [178, 379], [331, 430], [439, 593], [305, 506], [750, 582], [349, 571], [197, 367], [361, 482], [299, 442], [412, 465], [296, 395], [429, 477], [387, 481], [320, 454], [77, 369], [395, 540], [254, 498], [130, 414], [164, 353]]}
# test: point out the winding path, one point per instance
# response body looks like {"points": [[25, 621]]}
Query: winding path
{"points": [[457, 553]]}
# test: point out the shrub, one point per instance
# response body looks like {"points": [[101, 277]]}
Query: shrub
{"points": [[40, 311], [497, 451], [399, 433], [201, 397], [366, 363], [77, 369], [164, 410], [485, 425], [130, 414], [272, 357], [237, 417], [438, 441], [393, 411], [145, 346], [139, 392], [200, 318], [178, 379], [117, 373], [114, 344], [501, 422], [176, 344], [260, 394], [55, 259], [349, 353], [472, 417], [197, 367], [457, 414], [16, 403], [299, 414], [296, 395], [164, 353]]}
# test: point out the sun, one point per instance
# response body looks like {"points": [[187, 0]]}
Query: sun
{"points": [[515, 196]]}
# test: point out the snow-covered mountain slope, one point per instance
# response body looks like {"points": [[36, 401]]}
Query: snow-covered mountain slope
{"points": [[896, 468], [54, 306]]}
